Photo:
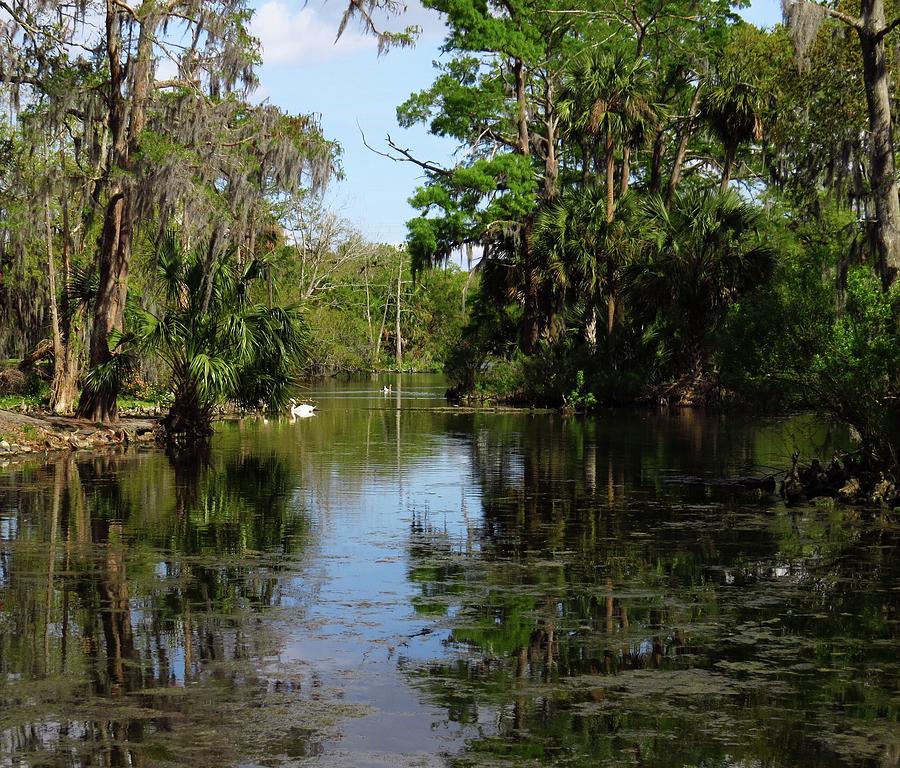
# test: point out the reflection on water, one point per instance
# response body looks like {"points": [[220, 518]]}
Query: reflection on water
{"points": [[395, 583]]}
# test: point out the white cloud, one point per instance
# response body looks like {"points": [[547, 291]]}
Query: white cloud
{"points": [[298, 35]]}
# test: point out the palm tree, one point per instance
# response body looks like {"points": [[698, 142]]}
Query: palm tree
{"points": [[216, 340], [733, 108], [710, 252], [609, 96], [587, 251]]}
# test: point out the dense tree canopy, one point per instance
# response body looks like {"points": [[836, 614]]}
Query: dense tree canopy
{"points": [[657, 194]]}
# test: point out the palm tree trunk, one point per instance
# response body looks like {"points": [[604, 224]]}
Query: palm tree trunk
{"points": [[585, 163], [531, 324], [590, 329], [551, 160], [726, 167], [610, 211], [189, 420], [610, 175], [626, 169], [659, 150]]}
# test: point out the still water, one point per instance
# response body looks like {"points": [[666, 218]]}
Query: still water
{"points": [[395, 583]]}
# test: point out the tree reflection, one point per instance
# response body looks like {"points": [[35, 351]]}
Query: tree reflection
{"points": [[657, 623], [128, 585]]}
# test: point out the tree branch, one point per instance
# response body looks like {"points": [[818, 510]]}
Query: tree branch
{"points": [[406, 156], [176, 83], [850, 21], [20, 79], [125, 7], [888, 29]]}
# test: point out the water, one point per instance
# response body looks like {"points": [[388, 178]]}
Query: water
{"points": [[397, 583]]}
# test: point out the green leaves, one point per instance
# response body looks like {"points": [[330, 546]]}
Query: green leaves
{"points": [[212, 376], [710, 251], [217, 340]]}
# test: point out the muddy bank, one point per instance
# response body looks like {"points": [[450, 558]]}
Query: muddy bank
{"points": [[24, 434]]}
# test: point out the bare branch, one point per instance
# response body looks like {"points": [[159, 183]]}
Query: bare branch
{"points": [[889, 28], [405, 156]]}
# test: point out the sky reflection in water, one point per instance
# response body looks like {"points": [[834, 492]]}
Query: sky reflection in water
{"points": [[422, 586]]}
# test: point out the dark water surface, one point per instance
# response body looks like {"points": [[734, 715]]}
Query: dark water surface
{"points": [[413, 586]]}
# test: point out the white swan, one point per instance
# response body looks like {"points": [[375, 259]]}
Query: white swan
{"points": [[302, 410]]}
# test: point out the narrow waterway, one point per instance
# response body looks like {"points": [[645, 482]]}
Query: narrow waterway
{"points": [[393, 582]]}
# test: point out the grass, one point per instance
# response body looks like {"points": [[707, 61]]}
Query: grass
{"points": [[129, 403], [11, 402], [14, 402]]}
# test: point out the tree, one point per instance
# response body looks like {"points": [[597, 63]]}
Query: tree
{"points": [[710, 251], [871, 28], [588, 253], [325, 245], [498, 97], [609, 97], [187, 147], [732, 107], [217, 339]]}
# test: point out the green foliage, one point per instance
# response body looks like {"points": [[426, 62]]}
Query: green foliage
{"points": [[856, 374], [769, 339], [711, 251], [805, 343], [435, 317], [579, 397], [217, 340]]}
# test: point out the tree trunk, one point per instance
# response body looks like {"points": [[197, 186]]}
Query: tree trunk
{"points": [[610, 176], [99, 403], [590, 329], [62, 387], [384, 314], [127, 119], [659, 151], [551, 165], [399, 339], [189, 420], [531, 324], [521, 107], [626, 170], [730, 151], [585, 163], [610, 212], [531, 331], [56, 333], [551, 160], [369, 314], [681, 153], [881, 143]]}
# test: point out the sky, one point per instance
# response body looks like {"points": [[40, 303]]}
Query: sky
{"points": [[356, 92]]}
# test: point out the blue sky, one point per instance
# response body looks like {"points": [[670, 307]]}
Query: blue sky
{"points": [[354, 89]]}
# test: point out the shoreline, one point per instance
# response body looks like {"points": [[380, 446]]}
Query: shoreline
{"points": [[36, 434]]}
